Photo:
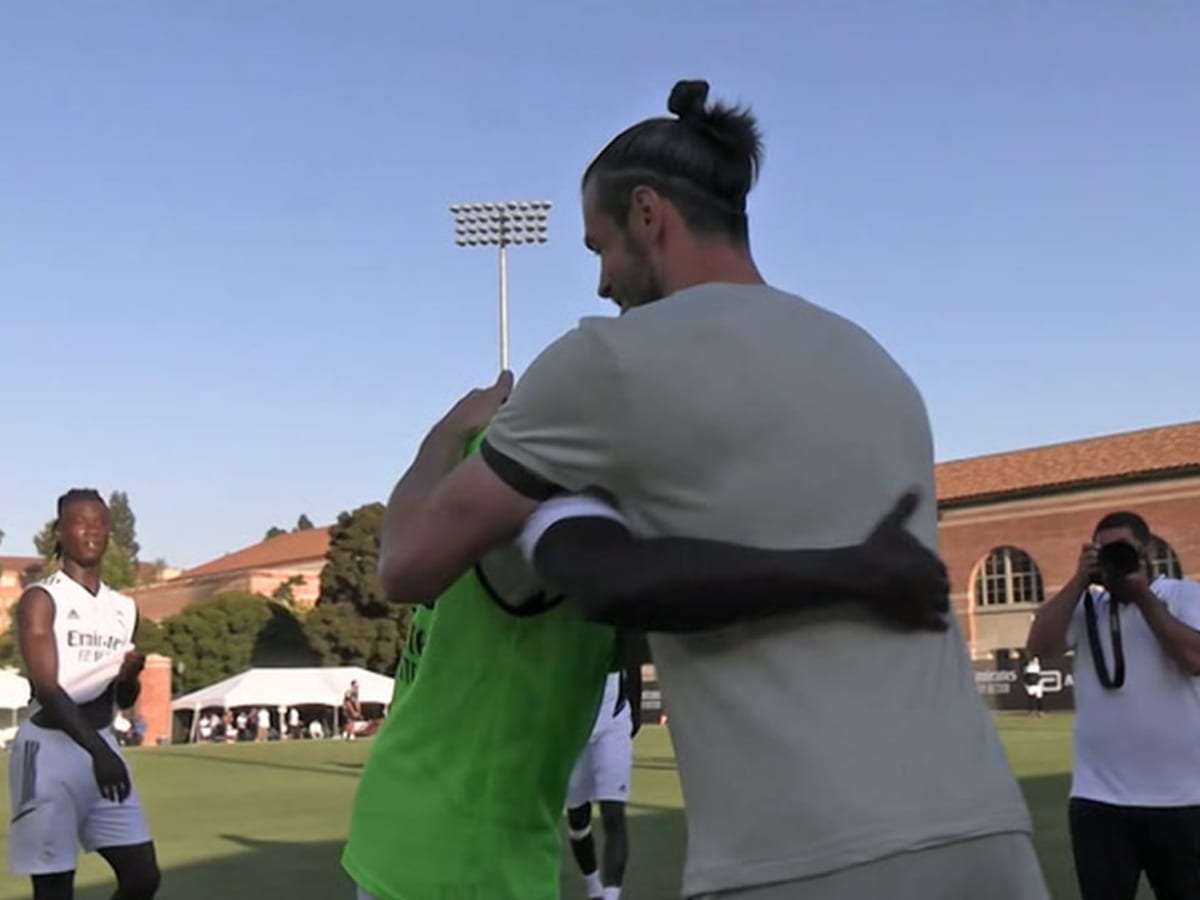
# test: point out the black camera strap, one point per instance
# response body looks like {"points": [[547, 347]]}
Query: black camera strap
{"points": [[1117, 679]]}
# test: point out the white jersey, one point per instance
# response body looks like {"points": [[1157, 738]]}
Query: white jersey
{"points": [[92, 633]]}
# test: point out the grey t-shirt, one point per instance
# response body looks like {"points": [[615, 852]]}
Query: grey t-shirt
{"points": [[809, 743]]}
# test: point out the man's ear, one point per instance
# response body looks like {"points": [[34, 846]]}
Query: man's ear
{"points": [[646, 212]]}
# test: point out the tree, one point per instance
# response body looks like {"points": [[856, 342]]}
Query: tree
{"points": [[149, 637], [229, 634], [45, 541], [283, 593], [154, 574], [304, 523], [340, 636], [123, 525], [350, 576], [353, 624]]}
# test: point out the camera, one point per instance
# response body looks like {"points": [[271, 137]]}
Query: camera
{"points": [[1119, 559]]}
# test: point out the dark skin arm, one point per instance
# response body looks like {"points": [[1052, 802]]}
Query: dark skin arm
{"points": [[686, 585], [633, 696], [128, 686], [35, 637]]}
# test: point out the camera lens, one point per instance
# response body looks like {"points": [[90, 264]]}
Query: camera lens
{"points": [[1119, 558]]}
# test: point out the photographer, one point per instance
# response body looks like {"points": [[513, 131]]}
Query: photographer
{"points": [[1135, 792]]}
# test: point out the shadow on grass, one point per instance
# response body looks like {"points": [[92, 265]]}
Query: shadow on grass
{"points": [[257, 869], [351, 770]]}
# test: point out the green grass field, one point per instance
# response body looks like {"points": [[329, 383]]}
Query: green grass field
{"points": [[255, 821]]}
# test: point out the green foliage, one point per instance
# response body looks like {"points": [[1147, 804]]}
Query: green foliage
{"points": [[285, 596], [156, 574], [342, 637], [350, 575], [44, 541], [353, 624], [149, 637], [123, 524], [118, 569], [304, 523], [230, 633]]}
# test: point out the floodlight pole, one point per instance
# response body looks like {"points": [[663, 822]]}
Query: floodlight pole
{"points": [[501, 224], [503, 298]]}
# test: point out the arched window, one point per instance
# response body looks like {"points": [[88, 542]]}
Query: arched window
{"points": [[1163, 559], [1008, 575]]}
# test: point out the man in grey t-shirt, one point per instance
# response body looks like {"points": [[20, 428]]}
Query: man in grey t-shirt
{"points": [[717, 407]]}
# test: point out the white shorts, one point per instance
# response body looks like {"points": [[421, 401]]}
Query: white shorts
{"points": [[57, 808], [605, 768]]}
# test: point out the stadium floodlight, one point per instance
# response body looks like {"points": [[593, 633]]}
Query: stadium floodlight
{"points": [[499, 225]]}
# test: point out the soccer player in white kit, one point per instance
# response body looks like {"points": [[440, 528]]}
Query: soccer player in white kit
{"points": [[68, 785], [602, 775]]}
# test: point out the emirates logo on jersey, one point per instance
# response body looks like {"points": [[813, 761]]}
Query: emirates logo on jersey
{"points": [[93, 640]]}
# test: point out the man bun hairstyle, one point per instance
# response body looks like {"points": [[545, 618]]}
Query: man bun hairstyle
{"points": [[687, 99], [705, 160], [74, 495]]}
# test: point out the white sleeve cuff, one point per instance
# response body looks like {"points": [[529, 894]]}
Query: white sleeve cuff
{"points": [[555, 510]]}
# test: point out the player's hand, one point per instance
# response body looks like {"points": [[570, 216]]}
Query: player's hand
{"points": [[1088, 568], [635, 725], [471, 414], [111, 775], [1131, 588], [903, 581], [131, 666]]}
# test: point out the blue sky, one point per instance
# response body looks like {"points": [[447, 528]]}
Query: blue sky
{"points": [[228, 281]]}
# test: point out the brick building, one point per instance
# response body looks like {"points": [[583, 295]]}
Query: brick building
{"points": [[15, 573], [1012, 523], [1011, 526], [295, 559]]}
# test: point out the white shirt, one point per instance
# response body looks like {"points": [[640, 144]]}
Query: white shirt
{"points": [[1138, 745], [92, 634], [1034, 688]]}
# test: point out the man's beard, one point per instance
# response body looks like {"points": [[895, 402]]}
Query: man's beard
{"points": [[644, 286]]}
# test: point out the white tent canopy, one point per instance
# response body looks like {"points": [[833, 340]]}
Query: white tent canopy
{"points": [[288, 687], [15, 692]]}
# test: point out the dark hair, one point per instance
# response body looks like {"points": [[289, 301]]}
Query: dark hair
{"points": [[704, 161], [1124, 519], [74, 495]]}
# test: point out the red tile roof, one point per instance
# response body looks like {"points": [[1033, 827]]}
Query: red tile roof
{"points": [[296, 546], [18, 563], [1130, 456]]}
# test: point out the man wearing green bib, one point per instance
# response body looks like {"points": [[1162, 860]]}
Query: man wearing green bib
{"points": [[496, 692], [499, 682]]}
